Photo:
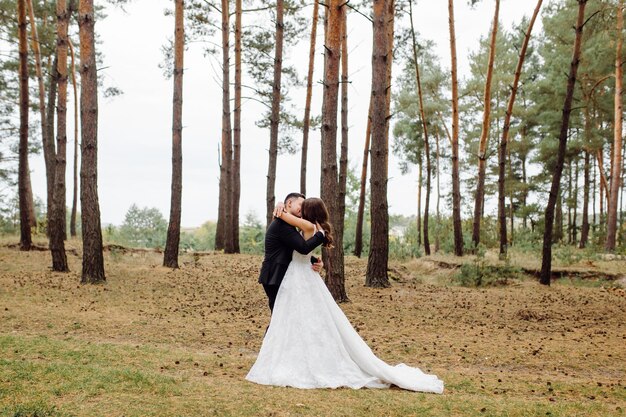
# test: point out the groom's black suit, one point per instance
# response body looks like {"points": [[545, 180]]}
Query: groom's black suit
{"points": [[281, 239]]}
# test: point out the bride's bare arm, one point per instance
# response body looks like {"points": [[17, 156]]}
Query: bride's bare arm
{"points": [[306, 226]]}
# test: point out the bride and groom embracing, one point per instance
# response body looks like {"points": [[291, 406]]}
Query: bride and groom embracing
{"points": [[310, 343]]}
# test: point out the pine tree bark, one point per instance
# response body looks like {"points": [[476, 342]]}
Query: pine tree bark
{"points": [[616, 161], [309, 93], [584, 233], [456, 183], [40, 83], [236, 181], [546, 262], [330, 187], [358, 240], [224, 232], [23, 170], [170, 257], [484, 136], [93, 260], [437, 243], [275, 112], [426, 143], [49, 148], [505, 133], [343, 157], [575, 197], [57, 218], [376, 275], [75, 165]]}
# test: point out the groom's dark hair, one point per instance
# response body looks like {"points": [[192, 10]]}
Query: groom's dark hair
{"points": [[293, 195]]}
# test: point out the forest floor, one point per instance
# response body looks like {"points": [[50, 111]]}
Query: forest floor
{"points": [[159, 342]]}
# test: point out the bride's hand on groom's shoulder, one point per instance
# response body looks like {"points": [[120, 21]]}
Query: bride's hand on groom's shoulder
{"points": [[279, 209]]}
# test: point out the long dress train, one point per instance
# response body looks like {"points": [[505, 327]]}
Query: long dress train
{"points": [[311, 344]]}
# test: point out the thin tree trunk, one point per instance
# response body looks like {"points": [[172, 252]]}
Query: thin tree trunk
{"points": [[23, 170], [546, 264], [584, 234], [40, 82], [616, 162], [309, 93], [330, 187], [75, 165], [456, 183], [420, 176], [224, 232], [49, 148], [604, 185], [484, 136], [275, 118], [93, 260], [570, 198], [426, 143], [237, 130], [170, 257], [595, 181], [438, 195], [57, 218], [505, 133], [575, 219], [376, 275], [358, 241], [343, 158]]}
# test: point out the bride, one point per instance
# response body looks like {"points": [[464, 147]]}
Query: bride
{"points": [[310, 343]]}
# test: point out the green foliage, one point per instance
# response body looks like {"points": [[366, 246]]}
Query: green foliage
{"points": [[142, 227], [480, 274]]}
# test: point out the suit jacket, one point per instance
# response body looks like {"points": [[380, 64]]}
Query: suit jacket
{"points": [[281, 239]]}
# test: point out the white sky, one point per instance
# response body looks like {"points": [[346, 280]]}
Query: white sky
{"points": [[135, 128]]}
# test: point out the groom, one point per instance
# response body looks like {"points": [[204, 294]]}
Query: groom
{"points": [[281, 239]]}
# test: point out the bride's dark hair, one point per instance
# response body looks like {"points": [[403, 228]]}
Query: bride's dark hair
{"points": [[315, 211]]}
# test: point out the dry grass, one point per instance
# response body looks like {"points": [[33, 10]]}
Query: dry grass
{"points": [[157, 342]]}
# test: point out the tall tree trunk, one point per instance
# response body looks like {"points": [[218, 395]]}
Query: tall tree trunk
{"points": [[49, 148], [616, 161], [275, 112], [593, 194], [23, 170], [376, 275], [456, 183], [426, 143], [484, 136], [546, 263], [570, 198], [420, 179], [574, 220], [584, 234], [170, 257], [40, 83], [505, 133], [604, 185], [343, 158], [75, 165], [358, 240], [93, 260], [309, 92], [224, 232], [57, 218], [330, 187], [437, 235], [237, 131]]}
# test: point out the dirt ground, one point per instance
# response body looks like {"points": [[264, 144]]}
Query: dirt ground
{"points": [[515, 350]]}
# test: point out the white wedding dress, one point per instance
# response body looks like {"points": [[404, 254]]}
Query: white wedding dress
{"points": [[311, 344]]}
